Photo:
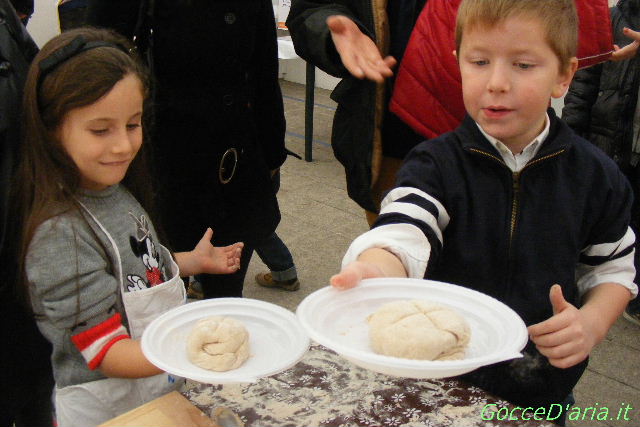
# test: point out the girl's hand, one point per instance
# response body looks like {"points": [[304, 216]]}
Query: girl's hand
{"points": [[206, 258], [217, 260], [565, 338]]}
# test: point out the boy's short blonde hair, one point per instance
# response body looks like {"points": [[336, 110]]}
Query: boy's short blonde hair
{"points": [[558, 17]]}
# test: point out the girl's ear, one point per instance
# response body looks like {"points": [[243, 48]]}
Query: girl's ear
{"points": [[564, 79]]}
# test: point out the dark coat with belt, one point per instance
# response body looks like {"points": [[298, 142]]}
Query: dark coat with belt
{"points": [[602, 99], [26, 355], [216, 91]]}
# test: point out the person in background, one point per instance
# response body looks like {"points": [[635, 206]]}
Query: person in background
{"points": [[24, 9], [603, 106], [275, 254], [345, 39], [92, 263], [471, 206], [72, 14], [26, 377], [218, 127]]}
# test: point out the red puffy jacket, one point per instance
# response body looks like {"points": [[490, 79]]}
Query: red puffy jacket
{"points": [[428, 94]]}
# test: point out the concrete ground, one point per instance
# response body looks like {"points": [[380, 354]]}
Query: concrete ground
{"points": [[319, 221]]}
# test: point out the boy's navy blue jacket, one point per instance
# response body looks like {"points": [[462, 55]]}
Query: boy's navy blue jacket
{"points": [[514, 235]]}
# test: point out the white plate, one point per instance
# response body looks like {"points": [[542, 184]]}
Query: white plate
{"points": [[276, 339], [337, 320]]}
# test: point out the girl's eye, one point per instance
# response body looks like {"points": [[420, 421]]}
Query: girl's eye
{"points": [[133, 126], [99, 131], [480, 62]]}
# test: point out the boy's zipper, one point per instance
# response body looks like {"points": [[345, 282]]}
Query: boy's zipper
{"points": [[515, 182]]}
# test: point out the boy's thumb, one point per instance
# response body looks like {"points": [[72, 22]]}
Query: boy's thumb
{"points": [[557, 299]]}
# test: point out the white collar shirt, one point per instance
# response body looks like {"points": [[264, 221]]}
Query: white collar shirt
{"points": [[516, 162]]}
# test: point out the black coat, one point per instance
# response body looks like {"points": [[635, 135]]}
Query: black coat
{"points": [[354, 121], [216, 88], [25, 356], [602, 99]]}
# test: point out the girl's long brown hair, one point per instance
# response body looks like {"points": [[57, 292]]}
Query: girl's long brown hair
{"points": [[47, 178]]}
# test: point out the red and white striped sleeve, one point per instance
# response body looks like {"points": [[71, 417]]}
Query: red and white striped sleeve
{"points": [[94, 343]]}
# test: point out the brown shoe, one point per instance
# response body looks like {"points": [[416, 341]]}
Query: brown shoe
{"points": [[194, 291], [266, 280]]}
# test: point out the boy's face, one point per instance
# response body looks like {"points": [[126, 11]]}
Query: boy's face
{"points": [[509, 73]]}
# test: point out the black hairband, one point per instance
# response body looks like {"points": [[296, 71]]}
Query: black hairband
{"points": [[76, 46]]}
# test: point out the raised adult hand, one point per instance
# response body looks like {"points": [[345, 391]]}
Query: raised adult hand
{"points": [[630, 50], [359, 54]]}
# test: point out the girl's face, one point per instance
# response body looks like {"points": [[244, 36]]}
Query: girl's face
{"points": [[103, 138]]}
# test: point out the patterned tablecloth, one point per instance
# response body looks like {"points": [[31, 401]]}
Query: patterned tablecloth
{"points": [[324, 389]]}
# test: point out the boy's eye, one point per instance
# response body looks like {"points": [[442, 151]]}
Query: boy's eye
{"points": [[480, 62], [99, 131], [524, 66]]}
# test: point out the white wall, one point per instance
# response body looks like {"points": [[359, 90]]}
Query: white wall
{"points": [[44, 23]]}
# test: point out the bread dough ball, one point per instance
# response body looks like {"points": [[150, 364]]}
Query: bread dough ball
{"points": [[418, 329], [218, 343]]}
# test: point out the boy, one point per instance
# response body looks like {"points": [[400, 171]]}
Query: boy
{"points": [[513, 201]]}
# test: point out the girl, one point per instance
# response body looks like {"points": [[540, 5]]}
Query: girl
{"points": [[96, 273]]}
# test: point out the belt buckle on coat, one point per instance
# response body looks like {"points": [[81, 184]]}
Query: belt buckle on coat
{"points": [[222, 169]]}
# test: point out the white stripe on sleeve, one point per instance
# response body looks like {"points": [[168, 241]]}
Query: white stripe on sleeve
{"points": [[399, 192], [619, 270], [406, 241], [608, 249]]}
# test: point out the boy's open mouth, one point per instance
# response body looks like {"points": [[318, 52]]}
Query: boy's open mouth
{"points": [[496, 111]]}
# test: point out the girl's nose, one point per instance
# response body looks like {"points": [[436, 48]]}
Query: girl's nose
{"points": [[122, 142]]}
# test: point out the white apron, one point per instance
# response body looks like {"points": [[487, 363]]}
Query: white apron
{"points": [[95, 402]]}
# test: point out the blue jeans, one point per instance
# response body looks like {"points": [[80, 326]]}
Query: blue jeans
{"points": [[274, 253]]}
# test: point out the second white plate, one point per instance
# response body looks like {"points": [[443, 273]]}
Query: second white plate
{"points": [[276, 339]]}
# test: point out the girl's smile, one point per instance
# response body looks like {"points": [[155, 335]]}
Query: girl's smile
{"points": [[103, 138]]}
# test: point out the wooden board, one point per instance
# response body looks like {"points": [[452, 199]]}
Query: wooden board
{"points": [[170, 410]]}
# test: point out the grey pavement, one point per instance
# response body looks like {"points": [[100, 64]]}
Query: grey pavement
{"points": [[319, 221]]}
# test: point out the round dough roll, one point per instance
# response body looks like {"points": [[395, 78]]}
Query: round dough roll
{"points": [[218, 343], [418, 329]]}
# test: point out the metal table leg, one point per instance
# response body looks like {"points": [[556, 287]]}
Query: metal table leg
{"points": [[308, 111]]}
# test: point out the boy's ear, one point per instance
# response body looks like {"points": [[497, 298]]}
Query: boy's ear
{"points": [[455, 53], [564, 79]]}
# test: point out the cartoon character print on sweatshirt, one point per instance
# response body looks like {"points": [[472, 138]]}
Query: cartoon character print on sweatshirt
{"points": [[144, 248]]}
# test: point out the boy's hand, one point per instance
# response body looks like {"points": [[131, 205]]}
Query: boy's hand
{"points": [[374, 262], [565, 338], [353, 273], [206, 258], [359, 54]]}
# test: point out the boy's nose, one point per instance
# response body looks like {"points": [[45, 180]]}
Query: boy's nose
{"points": [[498, 80]]}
